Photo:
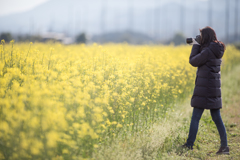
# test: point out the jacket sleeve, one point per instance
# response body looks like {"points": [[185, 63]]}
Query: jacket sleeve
{"points": [[198, 58]]}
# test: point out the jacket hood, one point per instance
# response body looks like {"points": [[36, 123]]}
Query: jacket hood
{"points": [[217, 48]]}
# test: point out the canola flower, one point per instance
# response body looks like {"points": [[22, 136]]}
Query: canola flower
{"points": [[62, 102]]}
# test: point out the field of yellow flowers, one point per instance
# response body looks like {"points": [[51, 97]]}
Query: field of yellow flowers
{"points": [[62, 102]]}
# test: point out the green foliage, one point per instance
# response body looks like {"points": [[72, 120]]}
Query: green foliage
{"points": [[6, 36], [179, 39], [237, 45], [29, 38], [81, 38]]}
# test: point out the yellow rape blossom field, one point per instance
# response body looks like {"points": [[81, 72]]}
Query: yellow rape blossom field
{"points": [[62, 102]]}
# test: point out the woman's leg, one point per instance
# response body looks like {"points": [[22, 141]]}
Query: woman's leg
{"points": [[196, 116], [216, 117]]}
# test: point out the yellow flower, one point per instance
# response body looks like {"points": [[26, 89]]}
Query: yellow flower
{"points": [[4, 126], [52, 138], [65, 151], [2, 41], [36, 147], [81, 92], [132, 99], [114, 122], [119, 125]]}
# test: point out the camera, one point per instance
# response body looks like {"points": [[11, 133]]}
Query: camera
{"points": [[198, 39]]}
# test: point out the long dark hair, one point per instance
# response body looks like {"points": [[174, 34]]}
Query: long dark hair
{"points": [[208, 35]]}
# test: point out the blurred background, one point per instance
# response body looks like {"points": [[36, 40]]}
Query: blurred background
{"points": [[131, 21]]}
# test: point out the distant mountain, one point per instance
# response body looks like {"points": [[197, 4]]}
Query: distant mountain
{"points": [[121, 37], [153, 18]]}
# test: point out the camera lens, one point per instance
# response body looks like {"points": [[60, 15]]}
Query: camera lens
{"points": [[189, 40]]}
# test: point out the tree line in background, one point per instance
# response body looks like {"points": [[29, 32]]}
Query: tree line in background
{"points": [[121, 37], [80, 38], [128, 37]]}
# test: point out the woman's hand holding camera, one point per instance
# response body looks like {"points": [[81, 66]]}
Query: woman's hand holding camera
{"points": [[194, 42]]}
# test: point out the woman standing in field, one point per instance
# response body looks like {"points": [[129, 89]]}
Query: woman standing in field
{"points": [[207, 92]]}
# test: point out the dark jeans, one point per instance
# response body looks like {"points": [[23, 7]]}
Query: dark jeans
{"points": [[216, 117]]}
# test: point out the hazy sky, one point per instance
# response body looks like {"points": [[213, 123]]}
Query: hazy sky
{"points": [[14, 6]]}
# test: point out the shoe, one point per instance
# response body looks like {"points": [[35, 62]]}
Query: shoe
{"points": [[223, 150], [186, 146]]}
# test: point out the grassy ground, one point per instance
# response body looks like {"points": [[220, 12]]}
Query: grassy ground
{"points": [[163, 139], [208, 140]]}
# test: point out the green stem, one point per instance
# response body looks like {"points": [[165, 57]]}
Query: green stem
{"points": [[42, 58], [33, 67], [11, 63], [1, 52], [28, 52], [29, 49]]}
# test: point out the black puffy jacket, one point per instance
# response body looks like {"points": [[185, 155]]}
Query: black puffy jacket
{"points": [[207, 91]]}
